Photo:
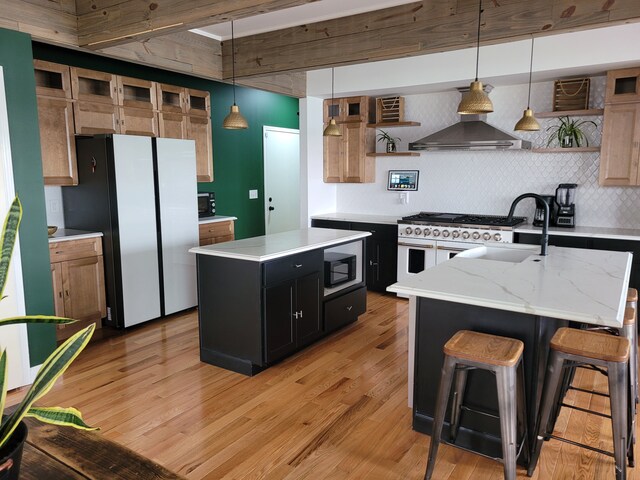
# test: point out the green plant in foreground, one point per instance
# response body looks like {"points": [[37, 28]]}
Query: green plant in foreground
{"points": [[571, 129], [52, 368]]}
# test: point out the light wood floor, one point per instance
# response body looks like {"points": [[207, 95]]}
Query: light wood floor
{"points": [[336, 410]]}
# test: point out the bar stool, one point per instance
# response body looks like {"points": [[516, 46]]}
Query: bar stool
{"points": [[466, 351], [579, 347], [631, 332]]}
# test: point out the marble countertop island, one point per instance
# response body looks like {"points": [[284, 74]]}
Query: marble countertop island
{"points": [[582, 285], [277, 245]]}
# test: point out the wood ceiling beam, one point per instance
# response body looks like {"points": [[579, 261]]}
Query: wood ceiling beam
{"points": [[49, 20], [416, 29], [106, 23]]}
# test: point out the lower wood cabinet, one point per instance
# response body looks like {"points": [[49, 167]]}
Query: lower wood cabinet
{"points": [[77, 271], [216, 232]]}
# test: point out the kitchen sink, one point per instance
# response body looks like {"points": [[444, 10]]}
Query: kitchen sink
{"points": [[511, 253]]}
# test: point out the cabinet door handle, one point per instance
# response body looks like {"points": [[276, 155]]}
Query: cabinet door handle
{"points": [[60, 294], [349, 308], [66, 292], [297, 265], [296, 315], [300, 313]]}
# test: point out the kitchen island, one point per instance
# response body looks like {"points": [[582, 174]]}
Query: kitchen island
{"points": [[509, 291], [261, 299]]}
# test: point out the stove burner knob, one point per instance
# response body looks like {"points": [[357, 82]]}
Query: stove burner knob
{"points": [[418, 231], [408, 230], [486, 236], [475, 235], [445, 233], [427, 232], [436, 233], [455, 234], [465, 235], [497, 237]]}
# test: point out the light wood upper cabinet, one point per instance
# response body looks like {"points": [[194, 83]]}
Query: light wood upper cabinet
{"points": [[172, 125], [137, 93], [52, 79], [57, 142], [93, 86], [198, 103], [171, 98], [620, 149], [199, 129], [623, 86], [96, 117], [77, 271], [349, 109], [138, 121]]}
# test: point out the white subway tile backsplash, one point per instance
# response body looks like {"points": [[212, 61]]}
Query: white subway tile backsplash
{"points": [[487, 181]]}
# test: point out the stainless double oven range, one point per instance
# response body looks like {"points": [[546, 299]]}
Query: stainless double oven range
{"points": [[429, 238]]}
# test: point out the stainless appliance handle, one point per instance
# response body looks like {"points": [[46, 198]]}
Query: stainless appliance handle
{"points": [[414, 245], [449, 249]]}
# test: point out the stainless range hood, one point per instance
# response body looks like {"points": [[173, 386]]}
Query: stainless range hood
{"points": [[471, 133]]}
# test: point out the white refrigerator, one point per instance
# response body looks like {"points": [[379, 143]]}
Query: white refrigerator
{"points": [[141, 193]]}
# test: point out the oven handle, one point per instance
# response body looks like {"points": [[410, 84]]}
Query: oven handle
{"points": [[449, 249], [414, 245]]}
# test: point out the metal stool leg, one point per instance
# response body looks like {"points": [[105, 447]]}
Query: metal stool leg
{"points": [[522, 414], [551, 385], [446, 379], [507, 406], [618, 392], [460, 383]]}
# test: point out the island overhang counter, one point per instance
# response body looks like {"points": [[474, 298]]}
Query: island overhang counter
{"points": [[527, 299], [263, 298]]}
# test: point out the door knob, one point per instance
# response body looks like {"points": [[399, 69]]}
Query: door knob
{"points": [[271, 209]]}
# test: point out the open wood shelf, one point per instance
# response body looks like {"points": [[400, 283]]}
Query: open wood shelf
{"points": [[592, 112], [393, 154], [393, 124], [565, 150]]}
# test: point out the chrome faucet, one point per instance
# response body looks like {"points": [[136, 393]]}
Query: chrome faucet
{"points": [[544, 241]]}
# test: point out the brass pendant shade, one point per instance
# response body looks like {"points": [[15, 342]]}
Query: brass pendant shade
{"points": [[528, 122], [235, 120], [332, 130], [475, 101]]}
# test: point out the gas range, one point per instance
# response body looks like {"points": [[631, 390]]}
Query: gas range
{"points": [[458, 227]]}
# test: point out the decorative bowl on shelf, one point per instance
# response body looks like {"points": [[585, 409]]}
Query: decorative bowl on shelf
{"points": [[51, 229]]}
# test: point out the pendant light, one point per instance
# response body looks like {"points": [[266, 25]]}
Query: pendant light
{"points": [[235, 120], [332, 130], [528, 122], [475, 101]]}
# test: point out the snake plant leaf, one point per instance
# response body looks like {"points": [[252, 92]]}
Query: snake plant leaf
{"points": [[36, 319], [51, 369], [3, 379], [65, 416], [8, 240]]}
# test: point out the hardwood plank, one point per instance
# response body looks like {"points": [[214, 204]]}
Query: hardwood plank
{"points": [[336, 410]]}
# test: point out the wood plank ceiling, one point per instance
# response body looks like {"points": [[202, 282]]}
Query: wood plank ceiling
{"points": [[155, 32]]}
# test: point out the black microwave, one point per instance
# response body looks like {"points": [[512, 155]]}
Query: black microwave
{"points": [[206, 204], [339, 268]]}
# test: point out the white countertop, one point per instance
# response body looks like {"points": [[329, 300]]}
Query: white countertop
{"points": [[358, 217], [215, 219], [583, 285], [64, 234], [268, 247], [595, 232]]}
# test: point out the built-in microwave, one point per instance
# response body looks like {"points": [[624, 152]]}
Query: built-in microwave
{"points": [[206, 204], [339, 268]]}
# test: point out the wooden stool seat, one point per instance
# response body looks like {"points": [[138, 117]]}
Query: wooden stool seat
{"points": [[629, 316], [632, 295], [589, 344], [484, 348]]}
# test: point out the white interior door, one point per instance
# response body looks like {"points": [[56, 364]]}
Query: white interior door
{"points": [[281, 179], [137, 229], [13, 337], [178, 190]]}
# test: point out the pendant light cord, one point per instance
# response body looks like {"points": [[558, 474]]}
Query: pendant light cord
{"points": [[478, 48], [233, 63], [530, 73]]}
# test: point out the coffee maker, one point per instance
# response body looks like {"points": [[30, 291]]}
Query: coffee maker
{"points": [[538, 216], [565, 198]]}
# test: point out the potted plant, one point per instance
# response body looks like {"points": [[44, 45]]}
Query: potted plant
{"points": [[390, 141], [13, 431], [569, 132]]}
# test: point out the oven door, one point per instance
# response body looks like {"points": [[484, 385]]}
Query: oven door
{"points": [[415, 256], [448, 250]]}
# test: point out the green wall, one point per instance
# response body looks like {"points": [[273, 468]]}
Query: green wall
{"points": [[237, 154], [16, 60]]}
